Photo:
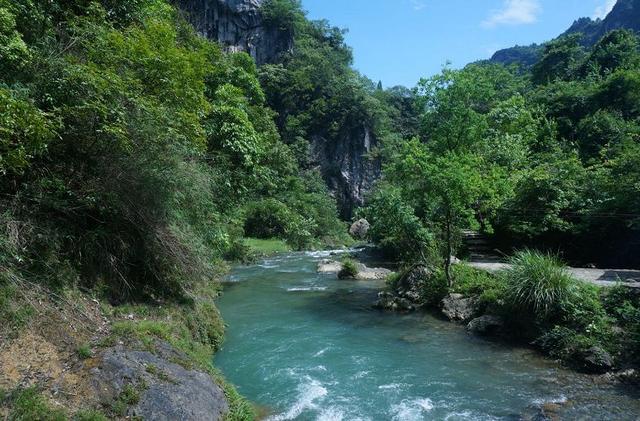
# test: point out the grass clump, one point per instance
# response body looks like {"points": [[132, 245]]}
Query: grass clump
{"points": [[267, 247], [84, 351], [29, 405], [349, 269], [538, 284]]}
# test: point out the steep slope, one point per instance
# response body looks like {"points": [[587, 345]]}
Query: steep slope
{"points": [[241, 25], [624, 15]]}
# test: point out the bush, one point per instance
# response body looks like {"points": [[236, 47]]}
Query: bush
{"points": [[474, 282], [435, 288], [270, 218], [538, 284], [349, 269]]}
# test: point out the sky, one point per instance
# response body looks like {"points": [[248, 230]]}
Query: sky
{"points": [[400, 41]]}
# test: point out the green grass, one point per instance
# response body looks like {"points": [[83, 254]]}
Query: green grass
{"points": [[84, 351], [349, 269], [30, 405], [538, 283], [267, 247]]}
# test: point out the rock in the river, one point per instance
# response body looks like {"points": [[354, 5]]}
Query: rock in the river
{"points": [[329, 266], [359, 229], [167, 391], [457, 307], [594, 360], [364, 273], [412, 283], [372, 274], [389, 301], [485, 325]]}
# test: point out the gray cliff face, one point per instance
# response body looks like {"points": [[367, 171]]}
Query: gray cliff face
{"points": [[346, 168], [237, 25]]}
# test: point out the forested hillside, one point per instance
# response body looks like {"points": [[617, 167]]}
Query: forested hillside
{"points": [[544, 158]]}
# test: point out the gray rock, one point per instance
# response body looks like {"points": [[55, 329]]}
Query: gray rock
{"points": [[238, 25], [457, 307], [389, 301], [371, 274], [359, 229], [329, 266], [594, 360], [485, 325], [167, 390], [411, 285]]}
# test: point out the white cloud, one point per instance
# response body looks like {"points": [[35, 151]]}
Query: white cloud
{"points": [[514, 12], [601, 12], [418, 4]]}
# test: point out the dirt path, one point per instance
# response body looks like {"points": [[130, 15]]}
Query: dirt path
{"points": [[602, 277]]}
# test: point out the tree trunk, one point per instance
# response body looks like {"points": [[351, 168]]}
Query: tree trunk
{"points": [[447, 261]]}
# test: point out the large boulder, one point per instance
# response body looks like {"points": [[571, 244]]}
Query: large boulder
{"points": [[412, 283], [329, 266], [485, 325], [360, 229], [459, 308], [389, 301], [594, 360], [166, 388]]}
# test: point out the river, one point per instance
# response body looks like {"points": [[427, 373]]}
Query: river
{"points": [[310, 347]]}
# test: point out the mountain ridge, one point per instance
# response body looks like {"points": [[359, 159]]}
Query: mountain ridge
{"points": [[624, 15]]}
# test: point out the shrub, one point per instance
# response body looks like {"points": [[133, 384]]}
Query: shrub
{"points": [[271, 218], [435, 288], [474, 282], [538, 284], [349, 269]]}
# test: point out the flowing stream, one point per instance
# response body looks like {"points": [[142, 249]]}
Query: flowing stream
{"points": [[309, 347]]}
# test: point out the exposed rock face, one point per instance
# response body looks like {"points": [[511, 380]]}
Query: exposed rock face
{"points": [[238, 25], [167, 391], [458, 308], [346, 168], [359, 229]]}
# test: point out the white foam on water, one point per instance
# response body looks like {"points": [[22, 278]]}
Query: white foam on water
{"points": [[331, 414], [309, 392], [410, 410], [392, 386], [320, 353], [325, 253], [559, 400], [306, 289], [361, 374]]}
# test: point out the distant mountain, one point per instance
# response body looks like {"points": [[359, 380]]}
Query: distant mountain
{"points": [[625, 14]]}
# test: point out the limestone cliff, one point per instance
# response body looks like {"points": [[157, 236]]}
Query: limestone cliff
{"points": [[238, 25]]}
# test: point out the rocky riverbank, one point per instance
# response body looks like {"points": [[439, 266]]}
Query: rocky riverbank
{"points": [[411, 290], [78, 356]]}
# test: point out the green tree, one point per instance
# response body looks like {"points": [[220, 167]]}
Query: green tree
{"points": [[560, 59]]}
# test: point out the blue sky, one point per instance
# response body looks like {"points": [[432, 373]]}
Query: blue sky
{"points": [[400, 41]]}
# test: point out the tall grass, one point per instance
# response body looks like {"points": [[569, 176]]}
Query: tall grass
{"points": [[538, 283]]}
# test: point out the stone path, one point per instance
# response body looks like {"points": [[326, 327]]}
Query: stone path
{"points": [[602, 277]]}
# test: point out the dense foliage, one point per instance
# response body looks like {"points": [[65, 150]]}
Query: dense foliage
{"points": [[134, 154], [544, 158]]}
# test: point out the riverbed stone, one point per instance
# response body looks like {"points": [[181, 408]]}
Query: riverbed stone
{"points": [[389, 301], [329, 266], [412, 283], [594, 360], [166, 389], [459, 308], [360, 229], [485, 325]]}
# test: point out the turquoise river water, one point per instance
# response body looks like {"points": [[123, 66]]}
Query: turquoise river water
{"points": [[309, 347]]}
